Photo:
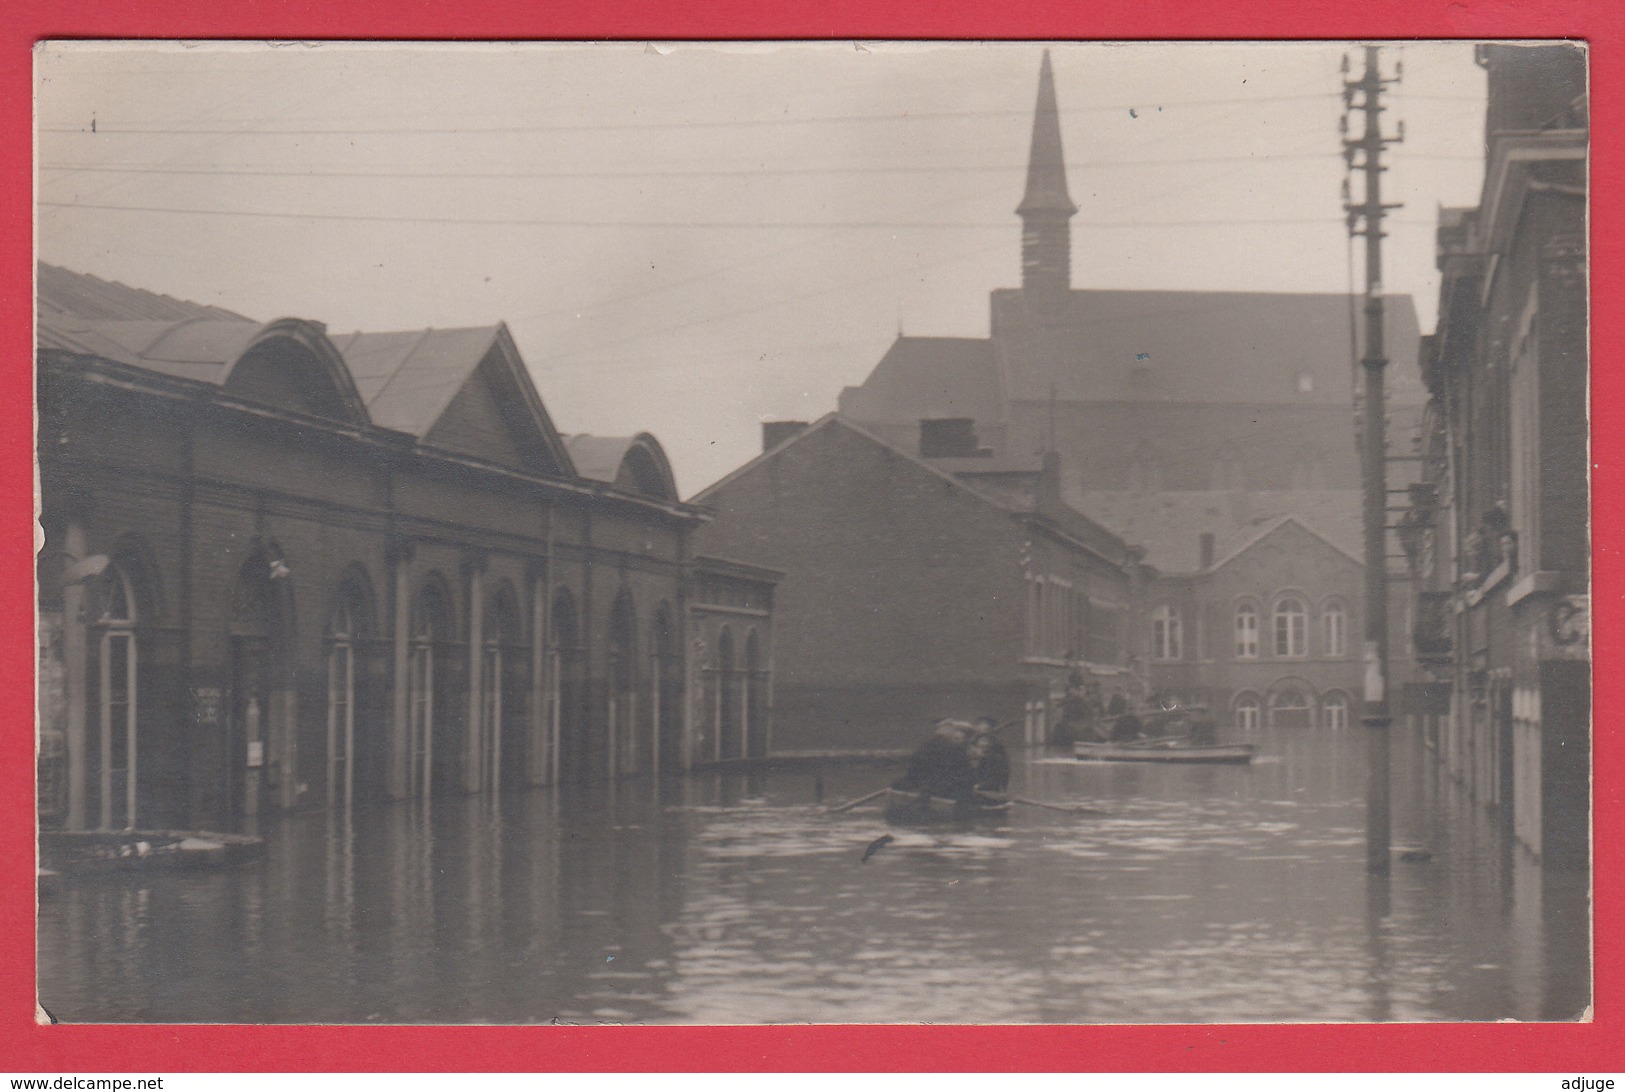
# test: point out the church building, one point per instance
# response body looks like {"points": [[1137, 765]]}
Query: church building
{"points": [[1179, 416]]}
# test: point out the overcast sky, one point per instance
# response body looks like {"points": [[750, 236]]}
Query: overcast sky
{"points": [[689, 239]]}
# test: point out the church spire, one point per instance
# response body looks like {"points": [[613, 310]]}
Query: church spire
{"points": [[1046, 209]]}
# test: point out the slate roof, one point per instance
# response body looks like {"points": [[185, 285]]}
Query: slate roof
{"points": [[1169, 524], [62, 291], [1140, 346], [1236, 347], [408, 378], [405, 379], [941, 376]]}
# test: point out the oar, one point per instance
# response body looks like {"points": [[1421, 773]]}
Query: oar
{"points": [[1069, 809], [860, 800]]}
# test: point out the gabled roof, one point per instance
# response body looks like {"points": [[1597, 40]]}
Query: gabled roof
{"points": [[1253, 536], [1170, 523], [1019, 504], [409, 377], [930, 377], [836, 420]]}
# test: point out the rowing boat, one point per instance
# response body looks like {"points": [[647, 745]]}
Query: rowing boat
{"points": [[1165, 751], [905, 808]]}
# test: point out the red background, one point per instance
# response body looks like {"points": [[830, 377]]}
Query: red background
{"points": [[26, 1047]]}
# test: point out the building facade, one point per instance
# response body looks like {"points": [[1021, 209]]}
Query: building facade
{"points": [[1498, 534], [910, 593], [1263, 632], [283, 569]]}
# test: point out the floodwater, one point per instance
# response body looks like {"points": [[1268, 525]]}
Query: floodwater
{"points": [[1205, 894]]}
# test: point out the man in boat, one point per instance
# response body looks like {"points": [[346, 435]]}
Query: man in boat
{"points": [[942, 766], [988, 757], [1126, 725]]}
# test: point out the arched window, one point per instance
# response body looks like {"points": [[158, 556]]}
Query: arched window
{"points": [[501, 701], [1247, 713], [430, 625], [341, 634], [1167, 634], [1335, 711], [1246, 632], [755, 703], [666, 692], [1291, 627], [1335, 620], [572, 742], [626, 755], [118, 712], [1290, 707]]}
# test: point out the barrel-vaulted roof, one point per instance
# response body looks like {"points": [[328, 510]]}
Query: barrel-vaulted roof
{"points": [[633, 464], [405, 381]]}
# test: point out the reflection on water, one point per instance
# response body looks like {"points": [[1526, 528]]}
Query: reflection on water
{"points": [[1205, 894]]}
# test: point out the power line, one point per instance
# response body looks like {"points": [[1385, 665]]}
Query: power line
{"points": [[687, 225], [1263, 159], [1151, 106]]}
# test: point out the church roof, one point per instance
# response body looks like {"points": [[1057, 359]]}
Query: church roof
{"points": [[1126, 345]]}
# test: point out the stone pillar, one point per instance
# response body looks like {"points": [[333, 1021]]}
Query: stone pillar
{"points": [[398, 777], [474, 750], [75, 649]]}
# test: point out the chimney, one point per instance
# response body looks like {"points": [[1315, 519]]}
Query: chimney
{"points": [[775, 433], [941, 437], [1206, 546]]}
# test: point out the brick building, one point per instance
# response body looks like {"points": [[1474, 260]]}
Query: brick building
{"points": [[1262, 632], [911, 593], [1177, 414], [1498, 534], [284, 569]]}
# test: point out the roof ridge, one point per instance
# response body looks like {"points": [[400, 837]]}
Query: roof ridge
{"points": [[422, 336]]}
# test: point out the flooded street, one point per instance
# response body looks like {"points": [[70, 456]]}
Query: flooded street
{"points": [[1205, 894]]}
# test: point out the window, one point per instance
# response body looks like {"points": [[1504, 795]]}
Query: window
{"points": [[1247, 709], [1246, 632], [1167, 636], [1291, 627], [491, 705], [427, 628], [118, 702], [341, 706], [1336, 711], [1290, 708], [1335, 619]]}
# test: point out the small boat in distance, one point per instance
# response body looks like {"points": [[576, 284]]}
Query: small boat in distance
{"points": [[1170, 750]]}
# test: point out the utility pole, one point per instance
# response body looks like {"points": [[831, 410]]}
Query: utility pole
{"points": [[1376, 717]]}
